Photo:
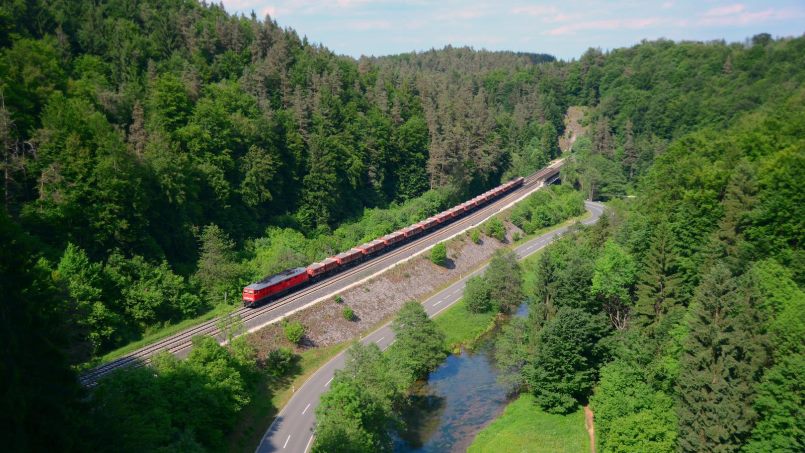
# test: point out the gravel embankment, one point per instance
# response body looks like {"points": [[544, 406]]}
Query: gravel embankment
{"points": [[379, 298]]}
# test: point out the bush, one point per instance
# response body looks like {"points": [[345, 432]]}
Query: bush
{"points": [[477, 295], [495, 229], [348, 314], [517, 236], [438, 254], [338, 299], [475, 236], [294, 331], [280, 361]]}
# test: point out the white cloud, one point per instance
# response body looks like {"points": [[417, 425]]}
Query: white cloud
{"points": [[725, 10], [607, 25]]}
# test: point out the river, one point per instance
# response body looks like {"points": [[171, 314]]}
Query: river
{"points": [[457, 401]]}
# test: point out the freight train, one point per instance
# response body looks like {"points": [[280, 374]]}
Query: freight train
{"points": [[272, 287]]}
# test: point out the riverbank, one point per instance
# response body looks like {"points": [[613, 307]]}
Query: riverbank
{"points": [[524, 427]]}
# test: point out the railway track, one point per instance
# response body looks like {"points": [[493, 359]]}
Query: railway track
{"points": [[183, 340]]}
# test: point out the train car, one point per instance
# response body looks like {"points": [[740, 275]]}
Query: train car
{"points": [[442, 217], [321, 268], [519, 181], [429, 223], [348, 256], [273, 286], [412, 230], [392, 238], [371, 247]]}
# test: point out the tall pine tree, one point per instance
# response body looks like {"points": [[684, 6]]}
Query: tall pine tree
{"points": [[658, 282], [721, 360]]}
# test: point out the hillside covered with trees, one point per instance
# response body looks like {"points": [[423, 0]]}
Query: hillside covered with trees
{"points": [[157, 155], [164, 154], [679, 317]]}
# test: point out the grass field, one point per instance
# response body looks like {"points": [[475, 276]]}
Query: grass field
{"points": [[462, 327], [523, 427]]}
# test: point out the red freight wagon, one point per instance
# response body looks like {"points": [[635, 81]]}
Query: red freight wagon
{"points": [[392, 238], [442, 217], [371, 247], [429, 223], [412, 230], [322, 267], [348, 256], [519, 181], [273, 286]]}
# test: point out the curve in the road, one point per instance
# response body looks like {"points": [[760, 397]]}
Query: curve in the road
{"points": [[292, 429]]}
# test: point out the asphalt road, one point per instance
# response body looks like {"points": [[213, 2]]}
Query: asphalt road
{"points": [[292, 430], [254, 319]]}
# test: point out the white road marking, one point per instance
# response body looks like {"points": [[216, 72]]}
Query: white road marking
{"points": [[328, 382], [306, 408], [437, 303], [286, 442], [381, 339], [456, 291], [308, 443]]}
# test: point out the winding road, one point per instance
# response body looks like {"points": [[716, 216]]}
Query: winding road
{"points": [[292, 429]]}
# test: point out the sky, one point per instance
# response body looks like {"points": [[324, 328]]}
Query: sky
{"points": [[564, 28]]}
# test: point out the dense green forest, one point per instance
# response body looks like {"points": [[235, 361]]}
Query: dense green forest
{"points": [[159, 154], [679, 317], [164, 154]]}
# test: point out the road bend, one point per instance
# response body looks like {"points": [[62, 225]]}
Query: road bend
{"points": [[292, 429], [255, 318]]}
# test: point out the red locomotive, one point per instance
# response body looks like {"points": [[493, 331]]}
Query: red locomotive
{"points": [[273, 286], [277, 285]]}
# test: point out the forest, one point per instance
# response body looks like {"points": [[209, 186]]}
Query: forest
{"points": [[165, 154], [157, 155]]}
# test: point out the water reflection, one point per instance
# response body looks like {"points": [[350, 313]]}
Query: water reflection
{"points": [[458, 400]]}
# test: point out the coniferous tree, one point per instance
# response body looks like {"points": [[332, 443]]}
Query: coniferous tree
{"points": [[603, 142], [728, 243], [629, 149], [218, 271], [563, 367], [721, 360], [657, 283]]}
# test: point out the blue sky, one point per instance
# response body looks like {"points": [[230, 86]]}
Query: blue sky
{"points": [[562, 28]]}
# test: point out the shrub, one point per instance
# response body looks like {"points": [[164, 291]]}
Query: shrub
{"points": [[294, 331], [348, 314], [338, 299], [495, 229], [477, 295], [475, 236], [438, 254], [280, 361], [517, 236]]}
